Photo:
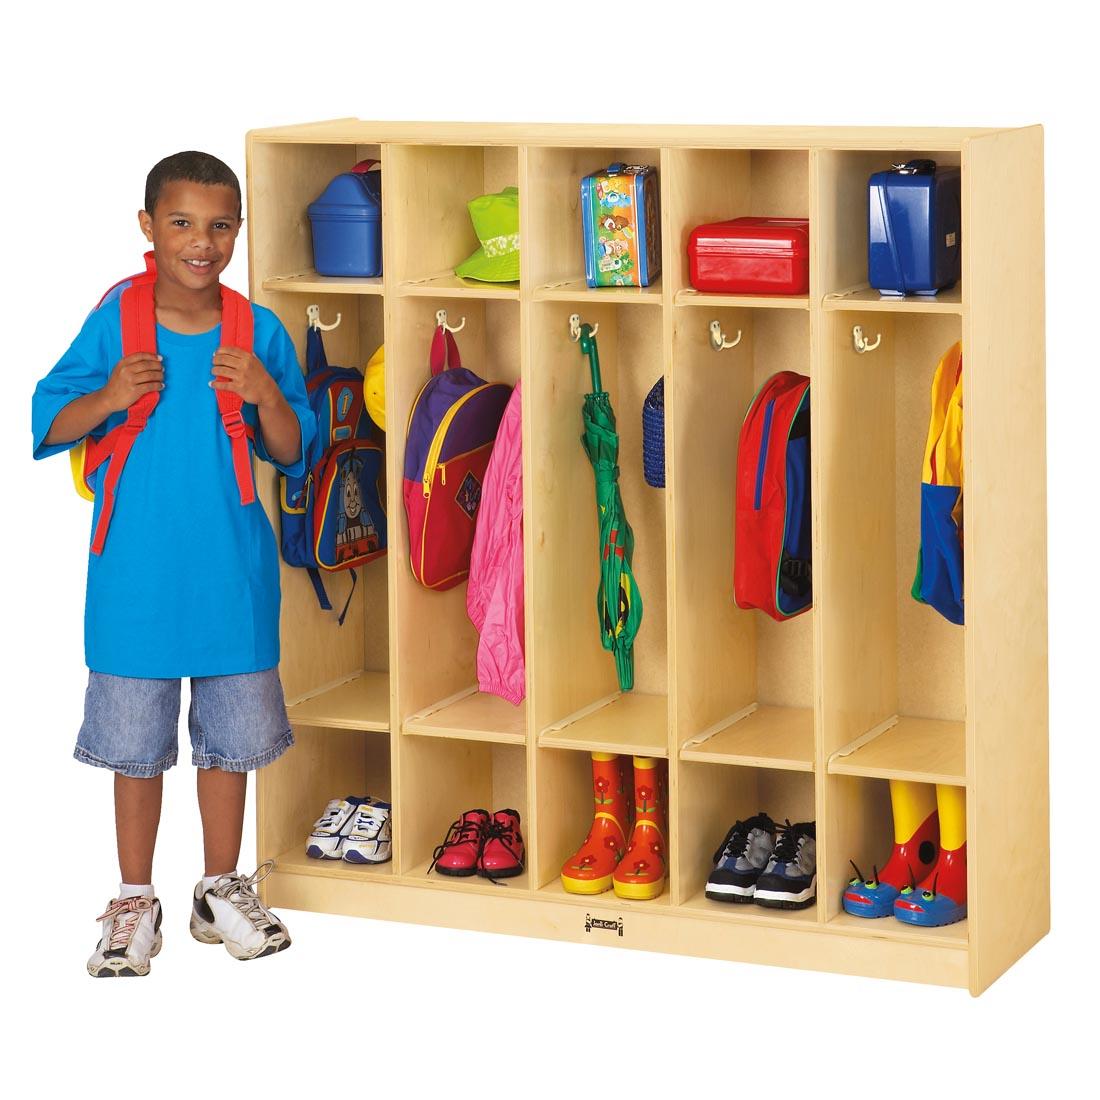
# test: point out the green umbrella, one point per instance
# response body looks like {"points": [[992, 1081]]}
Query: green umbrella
{"points": [[618, 601]]}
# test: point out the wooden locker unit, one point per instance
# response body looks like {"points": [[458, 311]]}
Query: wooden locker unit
{"points": [[805, 719]]}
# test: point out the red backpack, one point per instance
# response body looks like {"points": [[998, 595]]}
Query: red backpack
{"points": [[772, 532], [452, 426], [139, 333]]}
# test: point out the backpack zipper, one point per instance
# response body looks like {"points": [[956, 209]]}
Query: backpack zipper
{"points": [[761, 462], [441, 433]]}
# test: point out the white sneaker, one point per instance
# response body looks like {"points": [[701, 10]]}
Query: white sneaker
{"points": [[370, 838], [130, 938], [327, 839], [231, 913]]}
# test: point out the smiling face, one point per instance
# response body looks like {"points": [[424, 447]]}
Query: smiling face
{"points": [[194, 228]]}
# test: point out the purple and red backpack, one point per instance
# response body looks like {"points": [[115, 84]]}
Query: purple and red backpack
{"points": [[452, 427]]}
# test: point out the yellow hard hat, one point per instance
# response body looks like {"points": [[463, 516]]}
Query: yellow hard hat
{"points": [[374, 387]]}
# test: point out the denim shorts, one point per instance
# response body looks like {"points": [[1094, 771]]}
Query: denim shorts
{"points": [[131, 724]]}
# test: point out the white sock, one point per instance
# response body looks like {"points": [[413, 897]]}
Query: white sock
{"points": [[129, 890], [209, 880]]}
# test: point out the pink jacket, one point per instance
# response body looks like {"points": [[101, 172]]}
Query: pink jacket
{"points": [[494, 595]]}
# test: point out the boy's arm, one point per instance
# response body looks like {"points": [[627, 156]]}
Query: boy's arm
{"points": [[77, 419], [282, 435], [287, 425]]}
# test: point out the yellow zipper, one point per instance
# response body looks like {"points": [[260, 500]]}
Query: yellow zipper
{"points": [[441, 433]]}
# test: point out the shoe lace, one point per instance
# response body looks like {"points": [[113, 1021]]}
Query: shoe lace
{"points": [[124, 914], [787, 841], [465, 830], [737, 840], [240, 892], [367, 824], [331, 815], [507, 835]]}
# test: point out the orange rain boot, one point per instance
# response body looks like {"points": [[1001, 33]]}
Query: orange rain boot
{"points": [[641, 874], [589, 869]]}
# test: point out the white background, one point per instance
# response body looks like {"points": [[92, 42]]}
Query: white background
{"points": [[91, 98]]}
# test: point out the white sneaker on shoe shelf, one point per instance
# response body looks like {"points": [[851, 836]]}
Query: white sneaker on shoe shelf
{"points": [[327, 839], [130, 937], [230, 912], [370, 838]]}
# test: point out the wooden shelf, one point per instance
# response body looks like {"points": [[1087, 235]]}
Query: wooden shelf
{"points": [[475, 884], [577, 290], [472, 716], [924, 750], [631, 722], [949, 935], [554, 891], [689, 297], [865, 652], [767, 737], [309, 282], [449, 285], [296, 862], [864, 299], [359, 704], [737, 913]]}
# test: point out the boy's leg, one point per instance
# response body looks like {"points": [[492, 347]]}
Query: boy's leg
{"points": [[221, 806], [238, 723], [137, 817]]}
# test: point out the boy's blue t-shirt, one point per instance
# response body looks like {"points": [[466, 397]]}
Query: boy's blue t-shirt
{"points": [[188, 580]]}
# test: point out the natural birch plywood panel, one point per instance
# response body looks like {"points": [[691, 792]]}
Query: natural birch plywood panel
{"points": [[922, 750], [861, 656], [768, 737], [727, 657], [362, 703], [1006, 559], [474, 716]]}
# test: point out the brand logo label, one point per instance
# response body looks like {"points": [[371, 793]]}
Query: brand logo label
{"points": [[602, 925]]}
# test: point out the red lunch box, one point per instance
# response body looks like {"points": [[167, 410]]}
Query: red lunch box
{"points": [[751, 256]]}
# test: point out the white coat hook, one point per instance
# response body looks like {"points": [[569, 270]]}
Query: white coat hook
{"points": [[313, 314], [441, 321], [575, 327], [862, 344], [718, 339]]}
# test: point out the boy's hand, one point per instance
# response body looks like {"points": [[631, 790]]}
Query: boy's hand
{"points": [[241, 372], [132, 377]]}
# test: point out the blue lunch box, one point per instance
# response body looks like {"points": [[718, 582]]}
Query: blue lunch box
{"points": [[347, 224], [914, 229]]}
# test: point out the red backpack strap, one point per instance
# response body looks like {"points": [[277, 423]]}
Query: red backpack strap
{"points": [[237, 333], [444, 354], [139, 333]]}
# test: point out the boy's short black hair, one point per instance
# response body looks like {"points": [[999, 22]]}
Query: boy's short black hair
{"points": [[193, 166]]}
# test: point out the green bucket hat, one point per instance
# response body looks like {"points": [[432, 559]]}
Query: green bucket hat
{"points": [[496, 223]]}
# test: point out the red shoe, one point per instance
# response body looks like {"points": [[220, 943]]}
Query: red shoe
{"points": [[502, 853], [460, 851]]}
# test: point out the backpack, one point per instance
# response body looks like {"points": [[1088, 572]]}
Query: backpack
{"points": [[939, 578], [333, 517], [137, 310], [772, 534], [452, 427]]}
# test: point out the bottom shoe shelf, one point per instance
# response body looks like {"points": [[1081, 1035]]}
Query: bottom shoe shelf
{"points": [[795, 939]]}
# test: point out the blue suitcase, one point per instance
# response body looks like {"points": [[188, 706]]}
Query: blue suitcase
{"points": [[914, 230]]}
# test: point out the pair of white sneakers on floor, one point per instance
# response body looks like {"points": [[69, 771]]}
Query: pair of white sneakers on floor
{"points": [[229, 912], [357, 830]]}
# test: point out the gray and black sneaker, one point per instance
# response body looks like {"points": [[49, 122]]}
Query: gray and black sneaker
{"points": [[129, 938], [740, 859], [790, 879]]}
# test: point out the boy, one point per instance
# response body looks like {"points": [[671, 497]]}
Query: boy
{"points": [[186, 582]]}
